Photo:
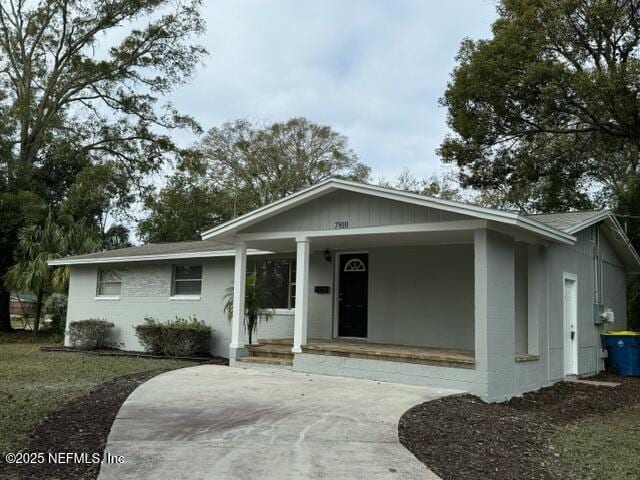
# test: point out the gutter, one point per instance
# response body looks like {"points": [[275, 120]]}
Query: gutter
{"points": [[146, 258]]}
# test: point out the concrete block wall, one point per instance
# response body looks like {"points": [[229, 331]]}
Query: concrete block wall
{"points": [[146, 289], [460, 379], [495, 313]]}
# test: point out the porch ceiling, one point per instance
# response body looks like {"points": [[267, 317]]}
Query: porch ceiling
{"points": [[365, 241]]}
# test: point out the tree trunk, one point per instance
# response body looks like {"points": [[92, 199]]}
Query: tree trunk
{"points": [[5, 314], [36, 320], [250, 330]]}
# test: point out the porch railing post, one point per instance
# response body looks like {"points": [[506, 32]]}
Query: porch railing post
{"points": [[239, 288], [302, 294]]}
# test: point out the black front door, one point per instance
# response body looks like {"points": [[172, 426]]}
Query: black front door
{"points": [[353, 295]]}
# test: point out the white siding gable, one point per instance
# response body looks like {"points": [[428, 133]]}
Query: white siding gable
{"points": [[357, 209]]}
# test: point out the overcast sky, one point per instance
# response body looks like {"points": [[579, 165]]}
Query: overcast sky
{"points": [[371, 69]]}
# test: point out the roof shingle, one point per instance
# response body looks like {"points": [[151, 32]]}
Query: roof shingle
{"points": [[196, 246], [565, 221]]}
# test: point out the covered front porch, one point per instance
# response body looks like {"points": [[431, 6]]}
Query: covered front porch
{"points": [[446, 305], [393, 286]]}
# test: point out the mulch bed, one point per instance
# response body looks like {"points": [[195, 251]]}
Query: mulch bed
{"points": [[462, 438], [81, 426], [114, 352]]}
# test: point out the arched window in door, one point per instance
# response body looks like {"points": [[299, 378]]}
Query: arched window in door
{"points": [[355, 265]]}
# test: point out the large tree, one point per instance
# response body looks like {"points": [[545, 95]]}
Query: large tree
{"points": [[442, 186], [183, 209], [241, 166], [546, 113], [103, 193], [83, 77], [257, 165]]}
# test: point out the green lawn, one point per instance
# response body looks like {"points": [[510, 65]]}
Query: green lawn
{"points": [[602, 447], [34, 383]]}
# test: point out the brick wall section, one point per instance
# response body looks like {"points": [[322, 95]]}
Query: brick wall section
{"points": [[147, 281]]}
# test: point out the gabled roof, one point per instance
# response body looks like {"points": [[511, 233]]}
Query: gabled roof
{"points": [[333, 184], [559, 227], [574, 222], [571, 222]]}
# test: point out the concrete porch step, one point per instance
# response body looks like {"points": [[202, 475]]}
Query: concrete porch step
{"points": [[285, 362], [276, 351]]}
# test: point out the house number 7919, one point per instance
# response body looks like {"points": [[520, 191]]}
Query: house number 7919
{"points": [[340, 224]]}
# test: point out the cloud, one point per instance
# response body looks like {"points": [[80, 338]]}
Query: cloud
{"points": [[373, 70]]}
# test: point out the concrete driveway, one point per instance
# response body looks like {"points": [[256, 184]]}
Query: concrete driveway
{"points": [[214, 422]]}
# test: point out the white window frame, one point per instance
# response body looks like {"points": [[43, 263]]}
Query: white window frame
{"points": [[571, 359], [174, 280], [100, 282]]}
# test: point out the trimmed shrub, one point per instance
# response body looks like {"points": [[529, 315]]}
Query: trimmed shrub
{"points": [[90, 333], [56, 307], [181, 337]]}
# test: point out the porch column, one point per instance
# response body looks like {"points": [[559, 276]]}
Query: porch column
{"points": [[302, 294], [239, 288], [494, 293]]}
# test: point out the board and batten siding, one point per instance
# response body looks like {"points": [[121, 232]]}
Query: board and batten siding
{"points": [[579, 261], [522, 297], [357, 209], [418, 295], [422, 295]]}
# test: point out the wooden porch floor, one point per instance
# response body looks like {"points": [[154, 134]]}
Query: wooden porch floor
{"points": [[441, 357]]}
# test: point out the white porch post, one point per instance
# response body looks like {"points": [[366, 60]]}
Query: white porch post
{"points": [[239, 288], [302, 294]]}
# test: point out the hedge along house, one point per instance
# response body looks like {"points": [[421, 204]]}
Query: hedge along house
{"points": [[376, 283]]}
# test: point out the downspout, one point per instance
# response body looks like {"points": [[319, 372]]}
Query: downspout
{"points": [[597, 293], [595, 239]]}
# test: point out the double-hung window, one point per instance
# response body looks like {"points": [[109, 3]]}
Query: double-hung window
{"points": [[109, 283], [187, 280], [278, 277]]}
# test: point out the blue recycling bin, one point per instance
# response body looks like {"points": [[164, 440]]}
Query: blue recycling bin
{"points": [[624, 353]]}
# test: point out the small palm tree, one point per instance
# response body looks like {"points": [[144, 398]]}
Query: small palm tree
{"points": [[257, 304], [37, 244]]}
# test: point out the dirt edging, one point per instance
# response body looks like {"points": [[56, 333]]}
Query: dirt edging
{"points": [[460, 437], [107, 353]]}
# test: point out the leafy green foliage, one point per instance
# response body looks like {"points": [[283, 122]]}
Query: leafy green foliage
{"points": [[81, 119], [90, 333], [545, 112], [181, 337], [628, 210], [438, 186], [183, 209], [37, 244], [257, 304], [241, 166], [258, 165], [56, 306], [99, 192], [54, 78]]}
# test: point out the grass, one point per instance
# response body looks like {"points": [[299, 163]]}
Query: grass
{"points": [[18, 323], [602, 447], [35, 383]]}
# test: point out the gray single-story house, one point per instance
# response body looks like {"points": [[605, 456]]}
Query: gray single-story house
{"points": [[383, 284]]}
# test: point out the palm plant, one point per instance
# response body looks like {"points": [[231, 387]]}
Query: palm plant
{"points": [[37, 244], [257, 304]]}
